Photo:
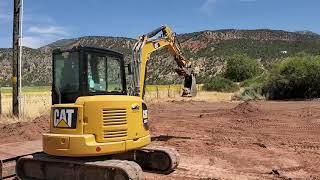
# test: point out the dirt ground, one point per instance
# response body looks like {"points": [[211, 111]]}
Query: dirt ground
{"points": [[226, 140], [24, 131]]}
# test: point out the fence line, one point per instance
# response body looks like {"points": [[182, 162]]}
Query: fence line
{"points": [[162, 92]]}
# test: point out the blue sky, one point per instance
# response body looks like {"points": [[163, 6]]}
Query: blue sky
{"points": [[50, 20]]}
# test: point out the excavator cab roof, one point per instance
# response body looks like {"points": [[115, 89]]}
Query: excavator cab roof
{"points": [[86, 71], [88, 48]]}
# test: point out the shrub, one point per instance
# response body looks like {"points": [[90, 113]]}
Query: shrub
{"points": [[253, 92], [294, 78], [242, 67], [220, 84], [257, 80]]}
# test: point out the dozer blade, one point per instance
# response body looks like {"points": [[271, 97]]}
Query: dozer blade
{"points": [[190, 86], [41, 166]]}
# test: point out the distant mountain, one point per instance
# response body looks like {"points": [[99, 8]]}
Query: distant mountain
{"points": [[308, 33], [206, 49], [120, 44]]}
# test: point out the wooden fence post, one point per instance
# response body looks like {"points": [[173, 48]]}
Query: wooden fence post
{"points": [[157, 92]]}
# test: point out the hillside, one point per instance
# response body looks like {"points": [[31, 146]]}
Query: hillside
{"points": [[207, 50]]}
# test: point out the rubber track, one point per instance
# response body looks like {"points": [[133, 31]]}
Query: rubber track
{"points": [[171, 152], [132, 169]]}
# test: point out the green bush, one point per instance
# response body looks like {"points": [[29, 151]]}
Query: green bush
{"points": [[220, 84], [253, 92], [294, 78], [257, 80], [242, 67]]}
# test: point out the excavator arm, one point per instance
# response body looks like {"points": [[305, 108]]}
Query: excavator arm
{"points": [[141, 55]]}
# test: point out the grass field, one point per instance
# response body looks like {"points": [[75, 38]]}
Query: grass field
{"points": [[8, 90], [28, 89], [34, 104], [37, 100]]}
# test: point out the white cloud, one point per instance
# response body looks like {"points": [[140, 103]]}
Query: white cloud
{"points": [[33, 41], [40, 35], [208, 6], [39, 29], [36, 41], [47, 30]]}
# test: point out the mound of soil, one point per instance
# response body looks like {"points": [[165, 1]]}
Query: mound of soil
{"points": [[245, 108], [24, 131]]}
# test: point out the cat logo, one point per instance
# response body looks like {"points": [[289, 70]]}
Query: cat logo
{"points": [[65, 117]]}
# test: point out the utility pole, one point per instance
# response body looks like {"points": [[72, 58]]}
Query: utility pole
{"points": [[0, 100], [17, 53]]}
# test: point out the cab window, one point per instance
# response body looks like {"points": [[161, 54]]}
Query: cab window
{"points": [[104, 74]]}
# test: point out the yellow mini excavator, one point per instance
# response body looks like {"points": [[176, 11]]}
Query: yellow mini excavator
{"points": [[99, 128]]}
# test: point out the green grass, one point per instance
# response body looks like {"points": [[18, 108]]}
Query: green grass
{"points": [[27, 89], [8, 90], [221, 84], [163, 87]]}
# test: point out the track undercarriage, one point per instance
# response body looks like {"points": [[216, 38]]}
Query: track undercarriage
{"points": [[128, 165]]}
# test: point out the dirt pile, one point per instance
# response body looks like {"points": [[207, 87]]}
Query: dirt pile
{"points": [[245, 108], [24, 131]]}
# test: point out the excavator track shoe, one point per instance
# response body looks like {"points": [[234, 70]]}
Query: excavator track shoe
{"points": [[45, 167], [163, 160]]}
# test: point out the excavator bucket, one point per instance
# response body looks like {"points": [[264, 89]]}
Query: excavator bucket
{"points": [[189, 86]]}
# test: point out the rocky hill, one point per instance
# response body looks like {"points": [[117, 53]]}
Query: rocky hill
{"points": [[206, 49]]}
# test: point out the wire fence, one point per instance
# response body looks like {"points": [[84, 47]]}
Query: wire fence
{"points": [[164, 92], [35, 104]]}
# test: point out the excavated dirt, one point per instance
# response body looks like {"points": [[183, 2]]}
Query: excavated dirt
{"points": [[222, 140], [245, 108], [24, 131]]}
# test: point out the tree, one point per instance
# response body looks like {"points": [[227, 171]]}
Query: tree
{"points": [[241, 67]]}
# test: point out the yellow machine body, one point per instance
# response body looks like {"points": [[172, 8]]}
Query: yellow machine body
{"points": [[105, 124]]}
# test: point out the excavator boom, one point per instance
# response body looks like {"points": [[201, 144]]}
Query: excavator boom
{"points": [[141, 55]]}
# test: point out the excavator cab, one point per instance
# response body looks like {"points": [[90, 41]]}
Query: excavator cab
{"points": [[86, 71], [92, 113]]}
